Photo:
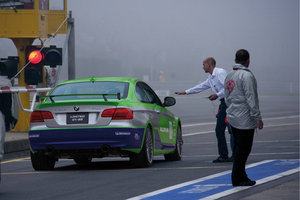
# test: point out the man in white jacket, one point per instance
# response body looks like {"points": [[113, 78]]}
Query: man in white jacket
{"points": [[242, 114]]}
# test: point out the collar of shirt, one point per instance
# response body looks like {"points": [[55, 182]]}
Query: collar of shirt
{"points": [[214, 72], [239, 67]]}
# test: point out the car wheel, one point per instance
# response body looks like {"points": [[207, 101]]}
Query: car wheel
{"points": [[145, 157], [83, 160], [177, 154], [42, 162]]}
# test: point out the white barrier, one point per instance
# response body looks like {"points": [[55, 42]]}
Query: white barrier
{"points": [[19, 90]]}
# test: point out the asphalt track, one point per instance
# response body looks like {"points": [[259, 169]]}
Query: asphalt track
{"points": [[279, 168]]}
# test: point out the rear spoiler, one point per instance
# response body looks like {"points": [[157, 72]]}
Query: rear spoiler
{"points": [[72, 95], [18, 90]]}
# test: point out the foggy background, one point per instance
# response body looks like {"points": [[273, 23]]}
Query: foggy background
{"points": [[140, 39]]}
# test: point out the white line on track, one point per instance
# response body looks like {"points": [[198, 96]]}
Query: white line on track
{"points": [[266, 119], [252, 154], [205, 132]]}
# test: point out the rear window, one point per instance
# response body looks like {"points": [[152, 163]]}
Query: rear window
{"points": [[83, 90]]}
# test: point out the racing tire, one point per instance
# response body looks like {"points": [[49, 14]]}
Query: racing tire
{"points": [[42, 162], [145, 157], [177, 154], [83, 160]]}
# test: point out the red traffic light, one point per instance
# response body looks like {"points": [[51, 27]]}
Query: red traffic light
{"points": [[34, 70], [35, 57]]}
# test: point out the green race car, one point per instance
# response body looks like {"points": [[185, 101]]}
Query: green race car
{"points": [[94, 117]]}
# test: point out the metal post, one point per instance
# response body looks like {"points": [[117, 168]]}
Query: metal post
{"points": [[23, 118], [71, 48]]}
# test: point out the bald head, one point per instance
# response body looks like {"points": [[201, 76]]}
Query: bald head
{"points": [[211, 61], [209, 65]]}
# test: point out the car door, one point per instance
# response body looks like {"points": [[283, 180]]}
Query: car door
{"points": [[162, 120]]}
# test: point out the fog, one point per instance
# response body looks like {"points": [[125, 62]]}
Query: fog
{"points": [[140, 39]]}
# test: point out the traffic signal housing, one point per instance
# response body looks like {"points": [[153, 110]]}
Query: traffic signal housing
{"points": [[39, 57], [52, 56], [34, 70], [9, 66]]}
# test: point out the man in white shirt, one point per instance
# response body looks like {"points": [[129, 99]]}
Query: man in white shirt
{"points": [[215, 81]]}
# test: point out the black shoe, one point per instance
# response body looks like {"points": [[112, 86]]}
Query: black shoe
{"points": [[246, 183], [219, 160], [229, 159]]}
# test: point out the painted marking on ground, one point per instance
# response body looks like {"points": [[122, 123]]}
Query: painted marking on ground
{"points": [[14, 160], [206, 132], [219, 185], [265, 119]]}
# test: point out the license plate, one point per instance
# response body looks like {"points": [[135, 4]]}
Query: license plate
{"points": [[77, 118]]}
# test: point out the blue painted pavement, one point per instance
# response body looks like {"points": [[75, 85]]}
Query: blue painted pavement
{"points": [[219, 185]]}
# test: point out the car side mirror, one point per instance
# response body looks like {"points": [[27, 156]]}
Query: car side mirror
{"points": [[169, 101]]}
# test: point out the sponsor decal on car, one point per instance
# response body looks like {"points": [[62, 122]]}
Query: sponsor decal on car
{"points": [[96, 108], [171, 130], [122, 133], [34, 136], [136, 136], [163, 129], [57, 110]]}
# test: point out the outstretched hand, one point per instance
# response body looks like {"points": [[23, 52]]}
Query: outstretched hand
{"points": [[180, 93]]}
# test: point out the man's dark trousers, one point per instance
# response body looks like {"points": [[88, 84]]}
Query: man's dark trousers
{"points": [[5, 108], [220, 131], [243, 140]]}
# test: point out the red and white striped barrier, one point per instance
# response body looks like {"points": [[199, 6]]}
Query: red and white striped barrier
{"points": [[23, 89], [19, 90]]}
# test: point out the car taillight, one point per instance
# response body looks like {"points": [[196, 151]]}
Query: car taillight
{"points": [[118, 114], [108, 113], [39, 116], [123, 113]]}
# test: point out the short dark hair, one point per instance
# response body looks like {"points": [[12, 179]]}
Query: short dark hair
{"points": [[211, 61], [242, 56]]}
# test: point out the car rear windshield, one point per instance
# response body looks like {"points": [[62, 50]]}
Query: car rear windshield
{"points": [[82, 90]]}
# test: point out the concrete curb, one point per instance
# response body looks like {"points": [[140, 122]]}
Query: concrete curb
{"points": [[15, 149], [15, 146]]}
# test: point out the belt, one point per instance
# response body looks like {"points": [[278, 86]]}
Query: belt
{"points": [[222, 99]]}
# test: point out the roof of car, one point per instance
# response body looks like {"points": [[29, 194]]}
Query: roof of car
{"points": [[91, 79]]}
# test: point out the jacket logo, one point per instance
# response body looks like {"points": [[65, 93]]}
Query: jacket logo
{"points": [[76, 108], [230, 85]]}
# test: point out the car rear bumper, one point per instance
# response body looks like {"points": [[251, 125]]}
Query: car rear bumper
{"points": [[88, 138]]}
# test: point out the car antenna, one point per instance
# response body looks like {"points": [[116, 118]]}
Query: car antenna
{"points": [[93, 79]]}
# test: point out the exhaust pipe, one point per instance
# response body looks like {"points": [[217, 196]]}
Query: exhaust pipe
{"points": [[49, 150], [105, 148]]}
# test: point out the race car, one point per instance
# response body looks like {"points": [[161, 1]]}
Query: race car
{"points": [[98, 117]]}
